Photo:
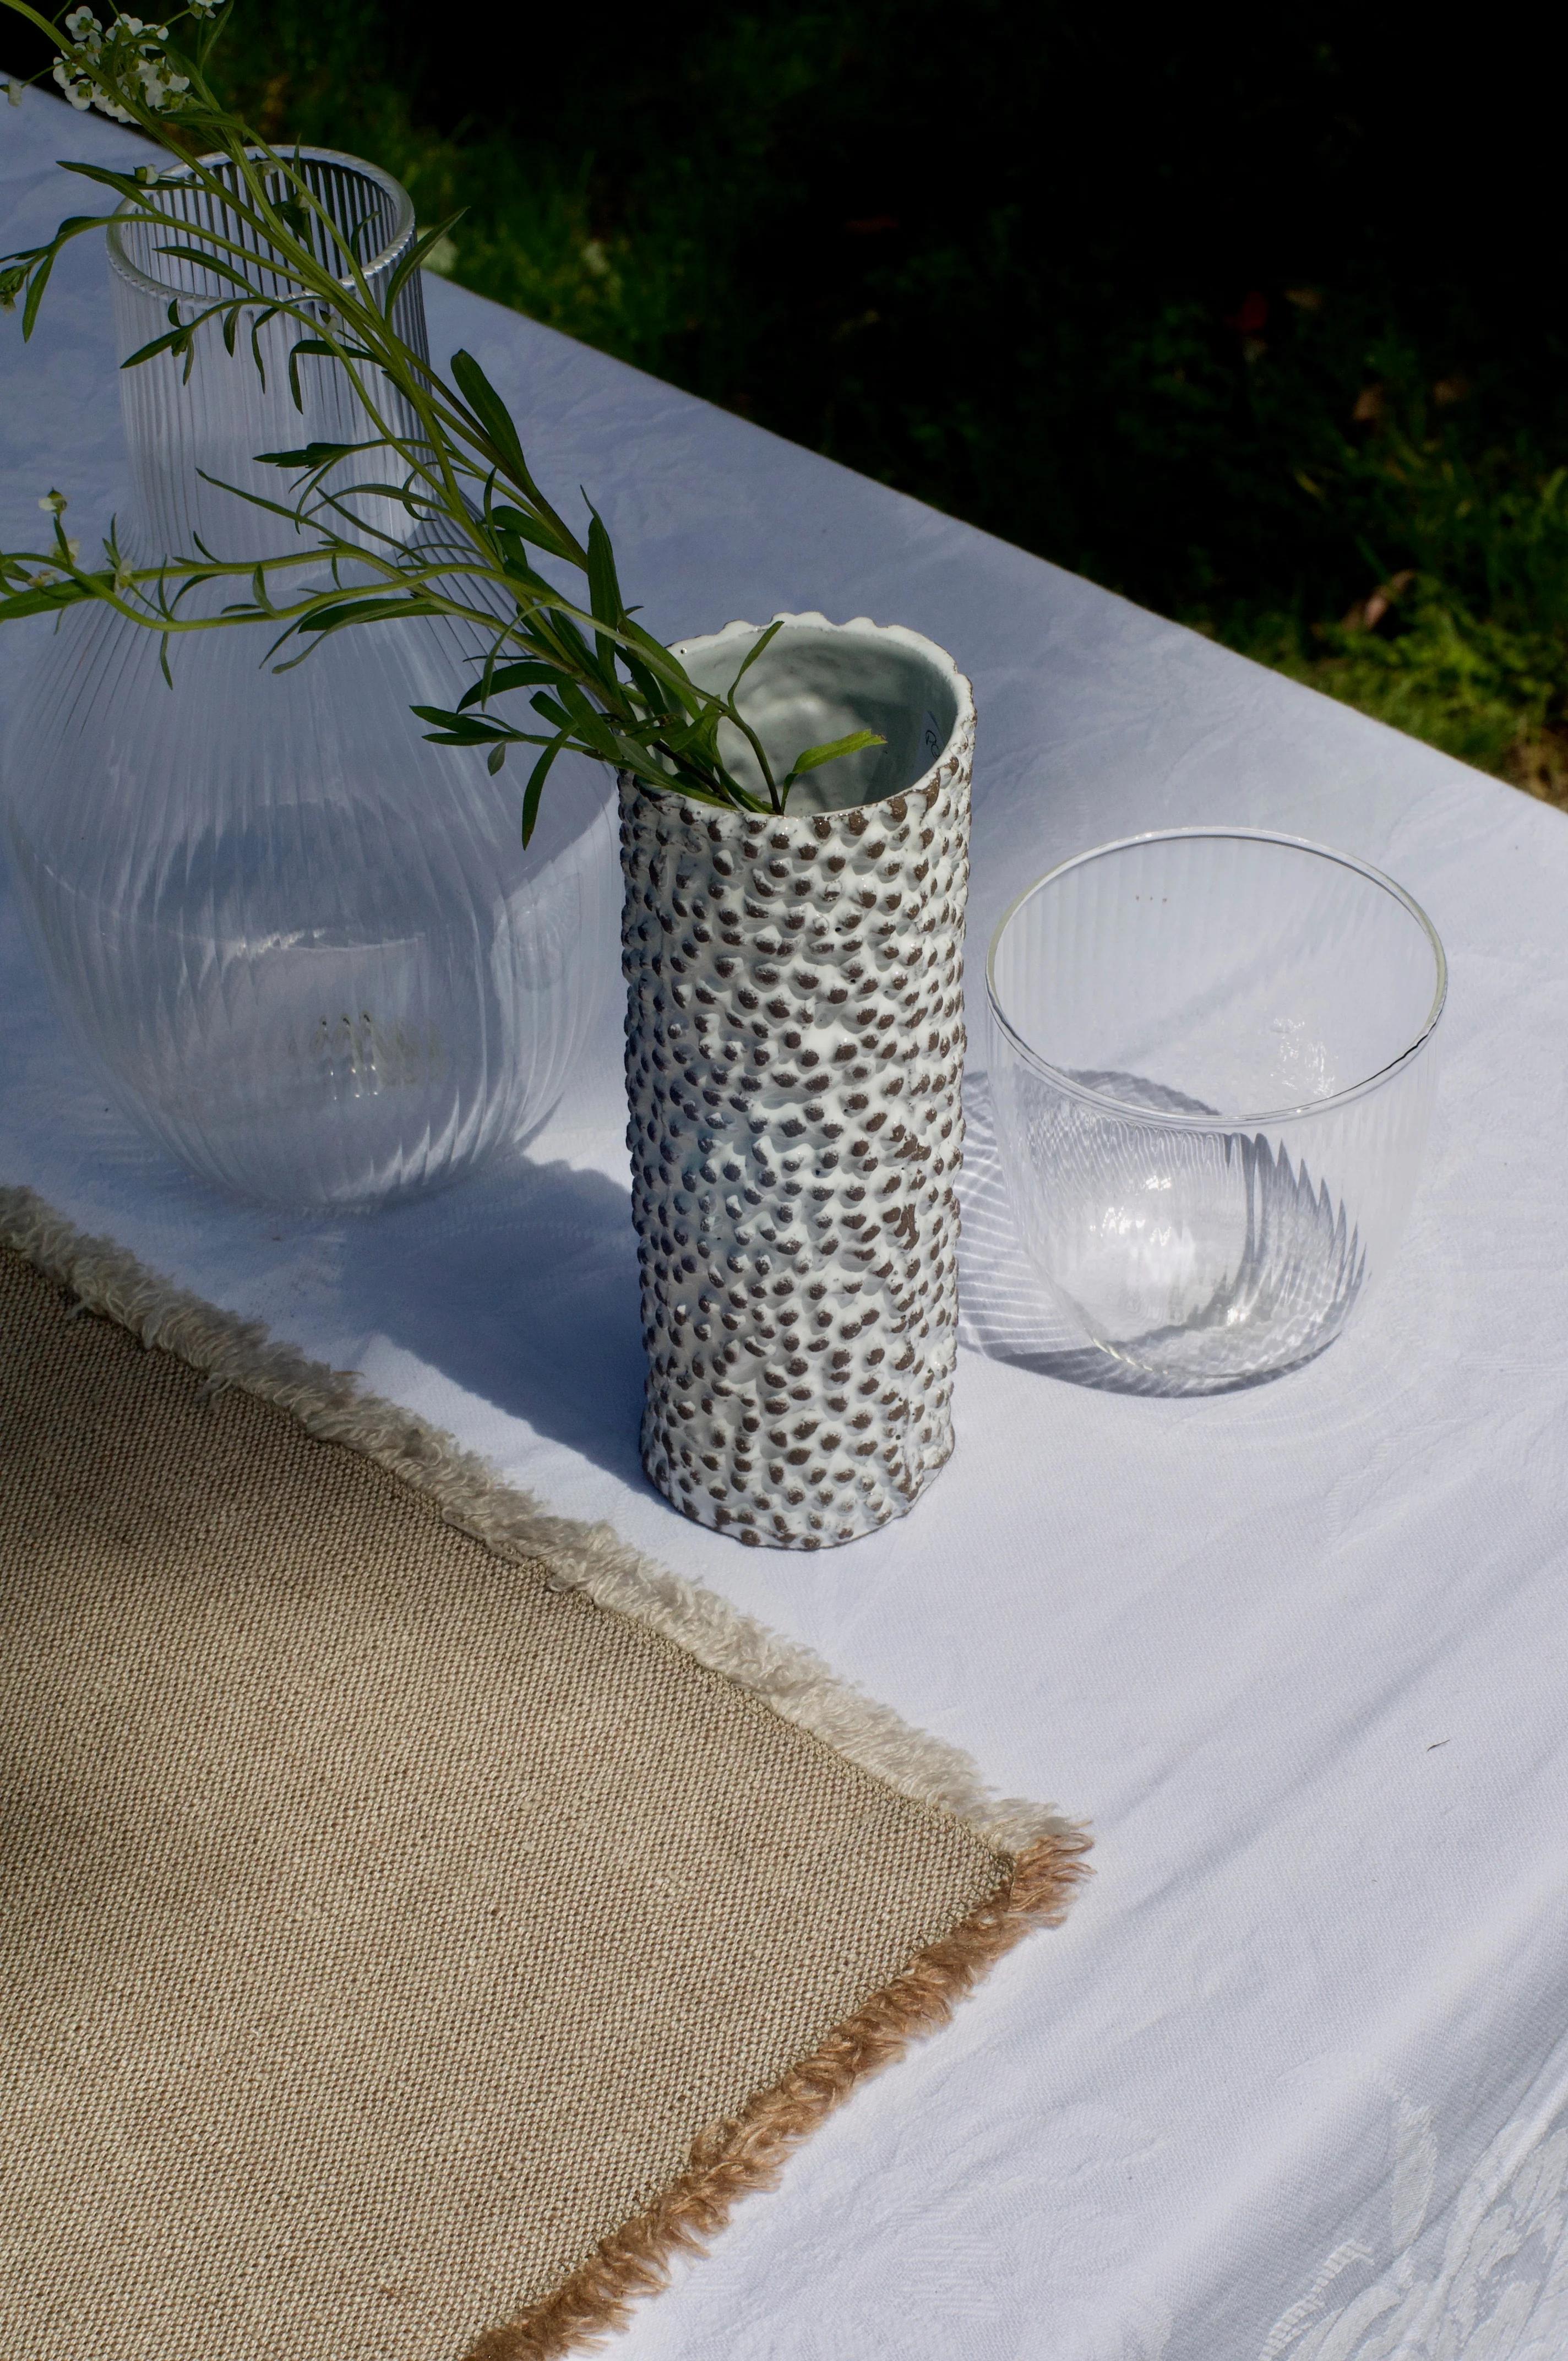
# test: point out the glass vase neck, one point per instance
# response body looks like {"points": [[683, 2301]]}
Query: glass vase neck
{"points": [[185, 425]]}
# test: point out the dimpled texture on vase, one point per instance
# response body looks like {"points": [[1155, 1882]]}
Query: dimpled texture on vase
{"points": [[794, 1051]]}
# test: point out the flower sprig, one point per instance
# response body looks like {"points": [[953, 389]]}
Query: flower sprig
{"points": [[95, 61], [480, 529]]}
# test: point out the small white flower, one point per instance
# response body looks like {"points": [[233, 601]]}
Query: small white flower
{"points": [[74, 83], [13, 93], [135, 54], [54, 502], [154, 85]]}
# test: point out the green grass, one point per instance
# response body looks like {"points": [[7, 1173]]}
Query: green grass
{"points": [[1248, 325]]}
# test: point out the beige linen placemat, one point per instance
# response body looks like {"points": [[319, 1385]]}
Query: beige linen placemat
{"points": [[418, 1915]]}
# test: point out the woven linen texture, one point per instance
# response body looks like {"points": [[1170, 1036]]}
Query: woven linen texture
{"points": [[377, 1926]]}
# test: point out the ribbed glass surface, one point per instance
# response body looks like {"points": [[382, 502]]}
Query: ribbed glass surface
{"points": [[305, 948], [1212, 1080]]}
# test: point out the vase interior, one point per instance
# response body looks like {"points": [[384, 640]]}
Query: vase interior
{"points": [[817, 682]]}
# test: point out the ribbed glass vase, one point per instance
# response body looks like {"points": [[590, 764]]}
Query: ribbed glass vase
{"points": [[304, 948]]}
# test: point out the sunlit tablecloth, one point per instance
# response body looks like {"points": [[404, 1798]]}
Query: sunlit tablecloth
{"points": [[1294, 2078]]}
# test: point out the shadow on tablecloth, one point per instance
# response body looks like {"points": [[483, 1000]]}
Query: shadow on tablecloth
{"points": [[1004, 1309]]}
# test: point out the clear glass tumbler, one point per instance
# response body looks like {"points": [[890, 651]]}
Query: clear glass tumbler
{"points": [[304, 948], [1213, 1077]]}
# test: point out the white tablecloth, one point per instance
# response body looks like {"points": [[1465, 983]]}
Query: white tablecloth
{"points": [[1294, 2078]]}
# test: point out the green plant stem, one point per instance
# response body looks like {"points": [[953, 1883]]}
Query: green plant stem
{"points": [[605, 688]]}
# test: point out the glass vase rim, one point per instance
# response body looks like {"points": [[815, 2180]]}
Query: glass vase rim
{"points": [[403, 217], [1173, 1119]]}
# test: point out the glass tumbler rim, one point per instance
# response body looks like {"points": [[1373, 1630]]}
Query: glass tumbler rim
{"points": [[1183, 1119], [397, 237]]}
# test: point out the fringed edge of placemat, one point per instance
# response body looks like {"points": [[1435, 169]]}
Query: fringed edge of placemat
{"points": [[330, 1404], [748, 2151], [1041, 1855]]}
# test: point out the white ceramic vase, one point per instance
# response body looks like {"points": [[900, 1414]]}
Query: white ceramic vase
{"points": [[795, 1050]]}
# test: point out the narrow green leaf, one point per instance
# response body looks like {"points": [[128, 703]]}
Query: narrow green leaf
{"points": [[494, 759], [124, 184], [467, 729], [668, 668], [813, 758], [655, 693], [316, 454], [364, 610], [256, 499], [35, 291], [516, 568], [506, 676], [41, 260], [43, 600], [701, 735], [594, 727], [566, 631], [535, 788], [304, 344], [494, 417], [534, 528], [757, 647], [604, 590], [415, 257], [212, 263]]}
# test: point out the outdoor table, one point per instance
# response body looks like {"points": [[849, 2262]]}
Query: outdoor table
{"points": [[1293, 2077]]}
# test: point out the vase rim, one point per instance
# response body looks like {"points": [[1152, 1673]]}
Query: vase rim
{"points": [[856, 627], [1181, 1119], [403, 214]]}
